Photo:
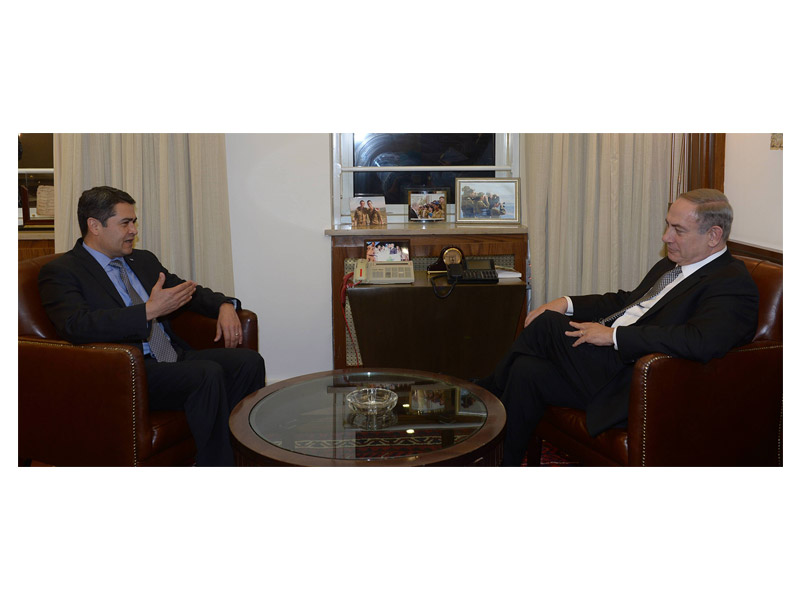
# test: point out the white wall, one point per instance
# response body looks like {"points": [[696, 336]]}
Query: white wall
{"points": [[280, 197], [754, 186]]}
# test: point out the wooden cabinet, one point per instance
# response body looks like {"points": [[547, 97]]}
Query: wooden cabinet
{"points": [[31, 244], [425, 241]]}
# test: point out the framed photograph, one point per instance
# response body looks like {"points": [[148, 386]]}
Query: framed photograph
{"points": [[487, 200], [433, 398], [470, 405], [36, 210], [368, 212], [427, 205], [386, 250]]}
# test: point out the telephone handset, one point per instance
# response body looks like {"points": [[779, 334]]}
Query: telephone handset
{"points": [[361, 272]]}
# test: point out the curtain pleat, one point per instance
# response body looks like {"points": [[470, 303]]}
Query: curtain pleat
{"points": [[595, 210], [180, 185]]}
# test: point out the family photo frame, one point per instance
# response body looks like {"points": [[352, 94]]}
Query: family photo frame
{"points": [[487, 200], [387, 250], [368, 212], [427, 205]]}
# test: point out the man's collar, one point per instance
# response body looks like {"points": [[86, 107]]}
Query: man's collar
{"points": [[101, 258], [689, 269]]}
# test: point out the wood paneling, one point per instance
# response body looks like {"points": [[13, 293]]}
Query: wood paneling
{"points": [[758, 252], [706, 157], [34, 248]]}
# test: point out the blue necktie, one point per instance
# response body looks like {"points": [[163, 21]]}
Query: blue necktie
{"points": [[160, 346]]}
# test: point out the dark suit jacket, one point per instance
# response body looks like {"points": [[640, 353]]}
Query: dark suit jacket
{"points": [[703, 317], [85, 307]]}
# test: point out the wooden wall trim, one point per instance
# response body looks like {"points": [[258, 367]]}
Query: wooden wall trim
{"points": [[775, 256], [706, 168]]}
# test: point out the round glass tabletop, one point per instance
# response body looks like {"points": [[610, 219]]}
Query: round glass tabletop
{"points": [[313, 417]]}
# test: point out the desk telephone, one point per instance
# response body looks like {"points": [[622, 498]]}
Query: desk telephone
{"points": [[476, 271], [367, 271], [460, 270]]}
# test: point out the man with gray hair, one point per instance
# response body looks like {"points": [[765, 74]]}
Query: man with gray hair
{"points": [[696, 303]]}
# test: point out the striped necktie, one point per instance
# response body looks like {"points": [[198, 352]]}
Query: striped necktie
{"points": [[160, 346], [654, 291]]}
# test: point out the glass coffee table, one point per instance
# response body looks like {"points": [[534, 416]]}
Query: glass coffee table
{"points": [[308, 421]]}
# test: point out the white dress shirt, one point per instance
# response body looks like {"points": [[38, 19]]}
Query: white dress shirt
{"points": [[635, 312]]}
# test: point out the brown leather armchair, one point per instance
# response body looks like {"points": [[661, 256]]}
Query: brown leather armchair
{"points": [[86, 405], [728, 411]]}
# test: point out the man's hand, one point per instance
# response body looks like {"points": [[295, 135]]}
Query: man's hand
{"points": [[164, 301], [229, 326], [558, 305], [591, 333]]}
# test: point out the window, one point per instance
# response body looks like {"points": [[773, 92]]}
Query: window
{"points": [[36, 180], [392, 164]]}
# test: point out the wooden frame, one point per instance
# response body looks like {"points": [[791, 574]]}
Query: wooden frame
{"points": [[28, 220]]}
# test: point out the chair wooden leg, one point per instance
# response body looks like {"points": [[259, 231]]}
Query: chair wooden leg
{"points": [[534, 451]]}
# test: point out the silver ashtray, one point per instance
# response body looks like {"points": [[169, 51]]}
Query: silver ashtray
{"points": [[372, 400]]}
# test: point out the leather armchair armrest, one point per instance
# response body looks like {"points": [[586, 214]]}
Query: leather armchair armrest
{"points": [[199, 331], [724, 412], [60, 426]]}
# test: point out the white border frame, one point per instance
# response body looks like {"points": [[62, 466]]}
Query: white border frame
{"points": [[489, 182]]}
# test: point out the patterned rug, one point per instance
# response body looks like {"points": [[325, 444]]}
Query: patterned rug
{"points": [[383, 443], [553, 457]]}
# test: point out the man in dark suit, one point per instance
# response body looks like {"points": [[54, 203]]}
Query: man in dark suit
{"points": [[697, 303], [105, 291]]}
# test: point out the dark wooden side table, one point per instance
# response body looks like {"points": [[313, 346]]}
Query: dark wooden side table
{"points": [[306, 421], [463, 335], [426, 241]]}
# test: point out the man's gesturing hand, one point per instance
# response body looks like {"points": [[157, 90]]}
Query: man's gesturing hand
{"points": [[164, 301]]}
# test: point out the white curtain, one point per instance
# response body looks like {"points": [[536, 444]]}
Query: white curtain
{"points": [[595, 210], [180, 185]]}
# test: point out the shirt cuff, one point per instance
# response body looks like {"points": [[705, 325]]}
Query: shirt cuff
{"points": [[570, 308], [615, 339]]}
